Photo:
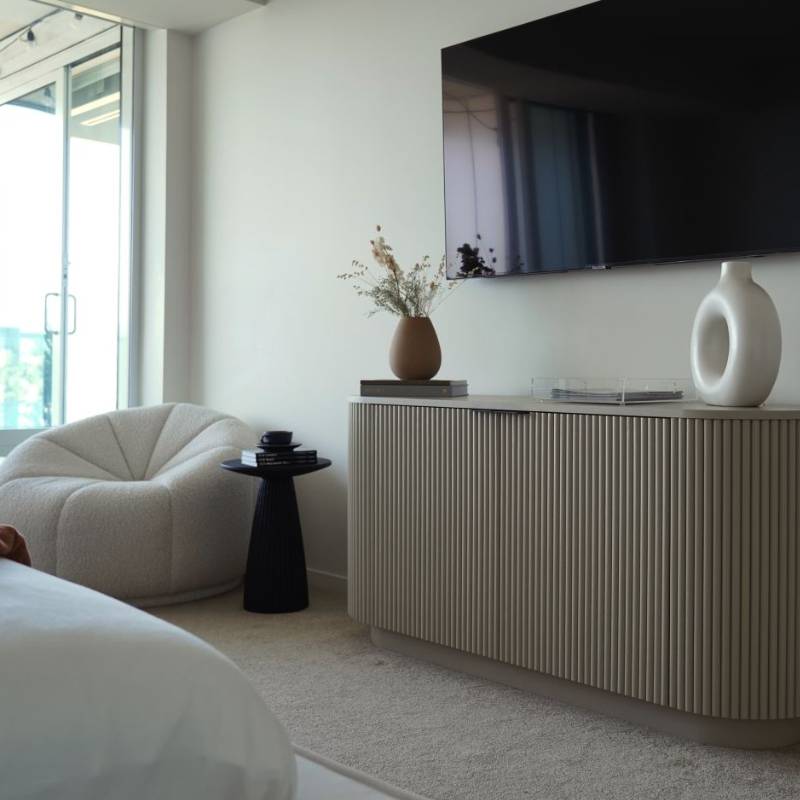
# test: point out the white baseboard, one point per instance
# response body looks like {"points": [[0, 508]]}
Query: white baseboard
{"points": [[328, 581]]}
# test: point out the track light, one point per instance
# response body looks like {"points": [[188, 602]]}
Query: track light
{"points": [[27, 37]]}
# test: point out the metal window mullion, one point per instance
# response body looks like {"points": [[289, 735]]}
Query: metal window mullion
{"points": [[62, 350]]}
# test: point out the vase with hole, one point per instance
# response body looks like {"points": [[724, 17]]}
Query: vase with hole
{"points": [[414, 354], [736, 341]]}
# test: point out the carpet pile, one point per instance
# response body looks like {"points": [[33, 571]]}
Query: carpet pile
{"points": [[450, 736]]}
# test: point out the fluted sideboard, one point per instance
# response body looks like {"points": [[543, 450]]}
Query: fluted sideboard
{"points": [[640, 560]]}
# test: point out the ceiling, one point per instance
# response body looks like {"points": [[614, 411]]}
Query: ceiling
{"points": [[189, 16], [16, 14]]}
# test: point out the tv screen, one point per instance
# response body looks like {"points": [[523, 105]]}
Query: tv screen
{"points": [[624, 132]]}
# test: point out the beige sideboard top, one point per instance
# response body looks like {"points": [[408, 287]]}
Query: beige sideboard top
{"points": [[521, 403]]}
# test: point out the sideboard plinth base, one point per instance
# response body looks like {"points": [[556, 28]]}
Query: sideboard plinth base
{"points": [[744, 734]]}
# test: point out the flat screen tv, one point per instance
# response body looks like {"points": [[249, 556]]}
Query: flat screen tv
{"points": [[624, 132]]}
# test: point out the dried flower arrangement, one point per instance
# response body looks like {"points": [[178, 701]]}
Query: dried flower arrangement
{"points": [[417, 292]]}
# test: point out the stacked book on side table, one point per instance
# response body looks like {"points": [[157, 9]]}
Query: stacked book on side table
{"points": [[278, 451], [388, 388]]}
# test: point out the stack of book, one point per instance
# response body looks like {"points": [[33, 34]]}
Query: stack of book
{"points": [[269, 457], [385, 388]]}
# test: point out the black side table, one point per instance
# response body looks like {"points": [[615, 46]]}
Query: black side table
{"points": [[276, 562]]}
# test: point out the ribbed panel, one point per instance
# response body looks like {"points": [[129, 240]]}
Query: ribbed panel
{"points": [[652, 557]]}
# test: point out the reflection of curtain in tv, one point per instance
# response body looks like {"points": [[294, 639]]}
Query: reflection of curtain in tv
{"points": [[551, 185], [515, 152]]}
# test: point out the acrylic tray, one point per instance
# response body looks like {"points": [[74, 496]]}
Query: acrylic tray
{"points": [[613, 391]]}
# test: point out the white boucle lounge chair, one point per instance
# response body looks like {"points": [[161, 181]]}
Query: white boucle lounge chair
{"points": [[133, 503]]}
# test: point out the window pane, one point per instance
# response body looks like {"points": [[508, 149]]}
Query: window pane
{"points": [[31, 137], [94, 208]]}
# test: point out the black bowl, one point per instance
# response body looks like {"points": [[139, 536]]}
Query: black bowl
{"points": [[276, 437]]}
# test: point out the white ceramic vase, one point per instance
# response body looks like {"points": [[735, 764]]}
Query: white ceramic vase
{"points": [[736, 341]]}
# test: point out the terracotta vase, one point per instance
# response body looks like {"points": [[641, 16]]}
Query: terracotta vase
{"points": [[415, 354]]}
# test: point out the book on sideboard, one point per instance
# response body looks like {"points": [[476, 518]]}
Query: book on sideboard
{"points": [[397, 388]]}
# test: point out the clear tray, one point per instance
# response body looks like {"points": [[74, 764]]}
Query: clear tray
{"points": [[613, 391]]}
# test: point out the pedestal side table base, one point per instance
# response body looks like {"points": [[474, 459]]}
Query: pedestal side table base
{"points": [[276, 565]]}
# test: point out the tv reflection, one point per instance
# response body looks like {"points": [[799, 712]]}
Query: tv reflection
{"points": [[519, 184]]}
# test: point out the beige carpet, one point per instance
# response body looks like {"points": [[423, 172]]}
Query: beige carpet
{"points": [[452, 737]]}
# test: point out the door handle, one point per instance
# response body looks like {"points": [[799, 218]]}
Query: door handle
{"points": [[48, 328], [501, 412], [74, 325]]}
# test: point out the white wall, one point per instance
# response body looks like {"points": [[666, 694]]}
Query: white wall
{"points": [[153, 219], [317, 119], [165, 290], [179, 217]]}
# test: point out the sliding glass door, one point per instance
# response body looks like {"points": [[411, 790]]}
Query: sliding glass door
{"points": [[31, 227], [60, 276]]}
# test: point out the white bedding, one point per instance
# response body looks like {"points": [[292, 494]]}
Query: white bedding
{"points": [[100, 701]]}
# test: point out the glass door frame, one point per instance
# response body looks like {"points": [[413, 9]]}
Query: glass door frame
{"points": [[54, 70]]}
